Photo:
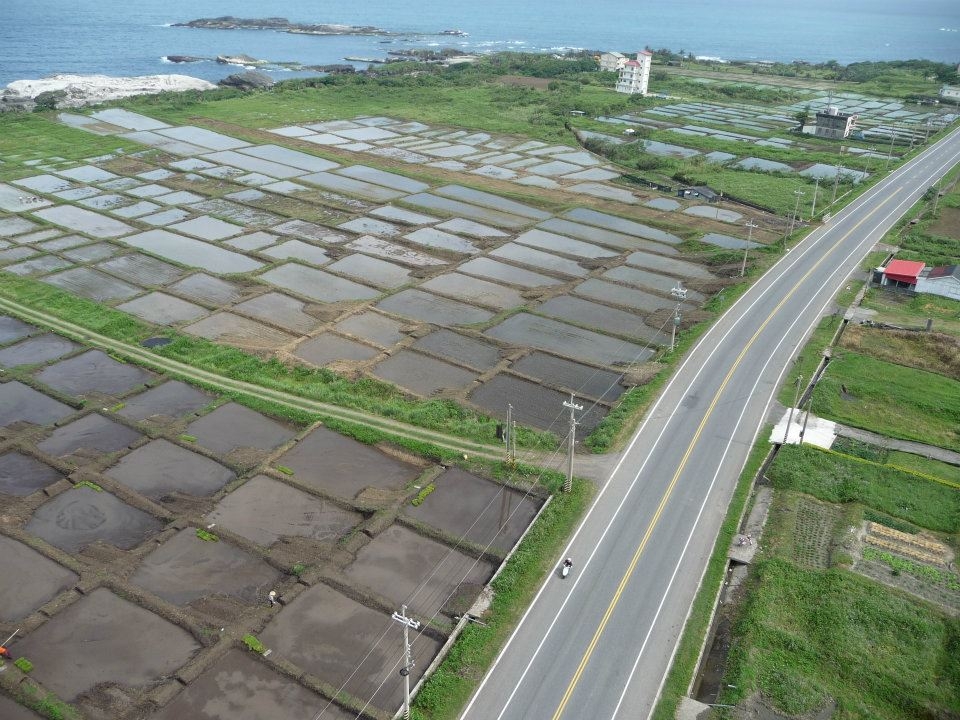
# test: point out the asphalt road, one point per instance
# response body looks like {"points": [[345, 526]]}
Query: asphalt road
{"points": [[598, 644]]}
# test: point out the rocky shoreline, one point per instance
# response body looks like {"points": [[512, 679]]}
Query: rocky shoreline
{"points": [[281, 25]]}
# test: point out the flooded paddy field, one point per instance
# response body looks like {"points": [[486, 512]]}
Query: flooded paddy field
{"points": [[172, 399], [186, 568], [422, 374], [238, 687], [82, 515], [401, 565], [30, 580], [36, 350], [530, 330], [373, 327], [88, 438], [328, 348], [93, 372], [506, 512], [263, 510], [270, 217], [93, 284], [228, 255], [340, 466], [372, 270], [22, 475], [281, 310], [161, 467], [162, 309], [534, 405], [350, 656], [566, 374], [20, 403], [89, 643], [234, 426], [236, 330], [460, 349], [185, 512]]}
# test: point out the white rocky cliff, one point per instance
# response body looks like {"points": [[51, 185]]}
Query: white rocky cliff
{"points": [[78, 90]]}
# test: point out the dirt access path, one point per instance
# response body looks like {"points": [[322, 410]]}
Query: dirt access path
{"points": [[144, 357]]}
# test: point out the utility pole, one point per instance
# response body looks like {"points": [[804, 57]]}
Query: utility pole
{"points": [[680, 293], [813, 206], [401, 617], [508, 438], [806, 416], [796, 209], [796, 399], [893, 136], [743, 266], [836, 178], [568, 483]]}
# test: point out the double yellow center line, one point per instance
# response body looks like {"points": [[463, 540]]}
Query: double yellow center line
{"points": [[686, 456]]}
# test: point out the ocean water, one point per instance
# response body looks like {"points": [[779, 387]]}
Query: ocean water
{"points": [[131, 37]]}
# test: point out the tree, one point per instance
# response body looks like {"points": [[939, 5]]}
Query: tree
{"points": [[802, 117], [48, 100]]}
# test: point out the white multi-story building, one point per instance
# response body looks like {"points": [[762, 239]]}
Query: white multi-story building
{"points": [[950, 93], [831, 123], [635, 74], [612, 61]]}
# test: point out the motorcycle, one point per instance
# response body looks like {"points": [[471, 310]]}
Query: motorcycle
{"points": [[565, 568]]}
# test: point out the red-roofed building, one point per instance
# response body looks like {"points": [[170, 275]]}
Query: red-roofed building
{"points": [[635, 74], [902, 273]]}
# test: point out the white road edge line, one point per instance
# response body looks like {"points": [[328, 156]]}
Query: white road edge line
{"points": [[792, 258], [725, 452]]}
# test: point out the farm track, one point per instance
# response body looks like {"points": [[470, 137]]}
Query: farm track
{"points": [[146, 358]]}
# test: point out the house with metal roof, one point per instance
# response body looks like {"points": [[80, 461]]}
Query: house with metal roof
{"points": [[943, 281], [902, 273], [612, 61]]}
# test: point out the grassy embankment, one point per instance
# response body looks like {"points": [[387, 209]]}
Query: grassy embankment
{"points": [[317, 384]]}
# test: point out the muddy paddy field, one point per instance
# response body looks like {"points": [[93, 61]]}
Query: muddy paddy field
{"points": [[144, 522], [407, 272]]}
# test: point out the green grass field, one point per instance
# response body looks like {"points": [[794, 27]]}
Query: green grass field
{"points": [[941, 471], [890, 399], [840, 479], [809, 635], [933, 352], [28, 136]]}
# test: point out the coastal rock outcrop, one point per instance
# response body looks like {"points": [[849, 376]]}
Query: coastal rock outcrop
{"points": [[228, 22], [78, 90], [249, 80], [240, 60], [183, 58]]}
